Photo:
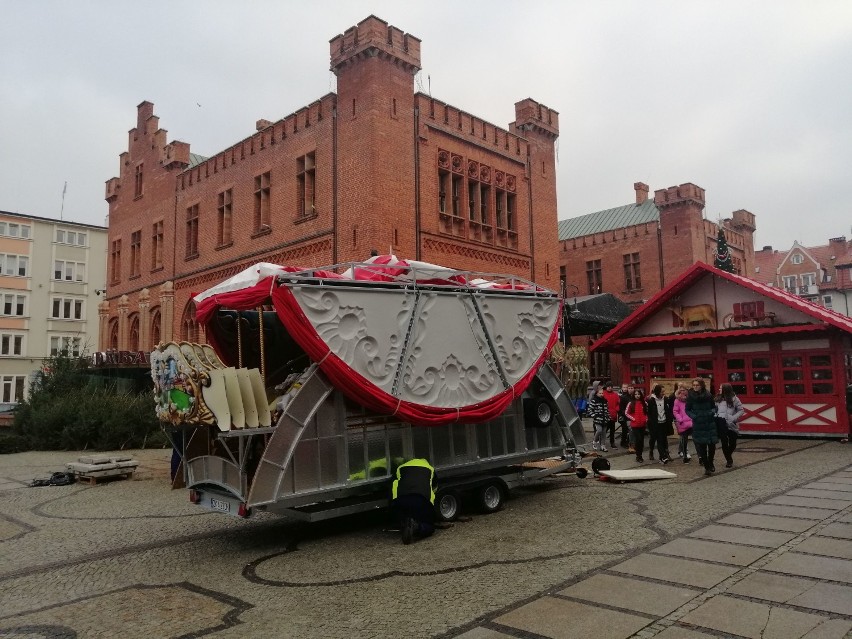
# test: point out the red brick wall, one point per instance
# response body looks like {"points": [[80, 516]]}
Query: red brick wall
{"points": [[610, 248], [457, 241], [376, 146]]}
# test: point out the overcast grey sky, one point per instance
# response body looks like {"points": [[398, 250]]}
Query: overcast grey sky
{"points": [[750, 100]]}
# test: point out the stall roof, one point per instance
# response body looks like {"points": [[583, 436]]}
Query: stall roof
{"points": [[594, 314], [621, 333]]}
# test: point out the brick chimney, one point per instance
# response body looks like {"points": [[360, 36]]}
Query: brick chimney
{"points": [[641, 192]]}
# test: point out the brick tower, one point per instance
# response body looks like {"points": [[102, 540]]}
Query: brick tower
{"points": [[375, 66], [681, 227], [540, 126]]}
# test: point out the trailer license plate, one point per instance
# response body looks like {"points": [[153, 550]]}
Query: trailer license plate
{"points": [[222, 506]]}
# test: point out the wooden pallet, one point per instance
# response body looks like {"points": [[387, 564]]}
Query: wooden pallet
{"points": [[93, 479], [92, 469]]}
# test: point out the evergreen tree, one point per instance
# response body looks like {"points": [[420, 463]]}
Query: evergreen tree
{"points": [[69, 409], [723, 259]]}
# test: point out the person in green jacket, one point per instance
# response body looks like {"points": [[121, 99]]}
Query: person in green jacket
{"points": [[701, 408], [413, 499]]}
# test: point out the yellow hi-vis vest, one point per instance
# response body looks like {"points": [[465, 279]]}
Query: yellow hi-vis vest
{"points": [[416, 477]]}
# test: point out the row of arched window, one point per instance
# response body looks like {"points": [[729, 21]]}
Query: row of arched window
{"points": [[189, 330]]}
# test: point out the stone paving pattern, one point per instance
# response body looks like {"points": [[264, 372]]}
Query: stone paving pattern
{"points": [[760, 550]]}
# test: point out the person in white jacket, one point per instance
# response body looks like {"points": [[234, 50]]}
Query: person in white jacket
{"points": [[729, 410]]}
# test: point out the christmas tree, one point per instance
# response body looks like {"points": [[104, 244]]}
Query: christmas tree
{"points": [[723, 259]]}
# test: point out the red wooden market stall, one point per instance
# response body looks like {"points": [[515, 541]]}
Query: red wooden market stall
{"points": [[790, 361]]}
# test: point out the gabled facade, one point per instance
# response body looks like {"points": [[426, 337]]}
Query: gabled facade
{"points": [[820, 274], [373, 166], [634, 250], [790, 361]]}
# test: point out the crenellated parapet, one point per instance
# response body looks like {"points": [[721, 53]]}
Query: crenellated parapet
{"points": [[687, 193], [263, 140], [440, 115], [374, 37], [534, 116], [744, 221]]}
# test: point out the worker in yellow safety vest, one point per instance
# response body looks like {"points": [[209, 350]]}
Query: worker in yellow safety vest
{"points": [[413, 499]]}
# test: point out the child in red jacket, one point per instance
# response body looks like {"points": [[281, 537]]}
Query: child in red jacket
{"points": [[637, 416]]}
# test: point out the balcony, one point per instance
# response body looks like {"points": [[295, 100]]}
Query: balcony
{"points": [[808, 289]]}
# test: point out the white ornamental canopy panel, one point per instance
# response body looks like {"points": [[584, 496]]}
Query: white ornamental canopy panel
{"points": [[444, 348]]}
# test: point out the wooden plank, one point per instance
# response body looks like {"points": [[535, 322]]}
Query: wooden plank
{"points": [[641, 474]]}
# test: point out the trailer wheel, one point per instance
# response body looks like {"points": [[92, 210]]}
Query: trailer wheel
{"points": [[582, 473], [538, 412], [448, 506], [491, 497]]}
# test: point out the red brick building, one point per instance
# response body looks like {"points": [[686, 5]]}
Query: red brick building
{"points": [[373, 166], [820, 274], [634, 250]]}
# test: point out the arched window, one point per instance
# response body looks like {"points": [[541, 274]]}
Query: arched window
{"points": [[189, 326], [133, 342], [155, 327], [112, 343]]}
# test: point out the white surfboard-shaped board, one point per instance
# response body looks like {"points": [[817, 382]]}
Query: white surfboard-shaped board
{"points": [[235, 397], [249, 405], [216, 398], [264, 418]]}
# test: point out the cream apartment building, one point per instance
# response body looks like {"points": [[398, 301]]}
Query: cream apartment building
{"points": [[52, 274]]}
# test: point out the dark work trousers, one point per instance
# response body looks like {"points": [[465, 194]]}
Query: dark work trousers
{"points": [[611, 429], [657, 436], [639, 443], [728, 440], [706, 453], [418, 508], [622, 422]]}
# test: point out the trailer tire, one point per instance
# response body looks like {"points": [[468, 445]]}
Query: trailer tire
{"points": [[491, 497], [582, 473], [538, 412], [448, 506]]}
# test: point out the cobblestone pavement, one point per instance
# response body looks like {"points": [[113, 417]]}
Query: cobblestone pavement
{"points": [[760, 550]]}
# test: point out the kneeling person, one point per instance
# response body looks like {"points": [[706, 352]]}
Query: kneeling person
{"points": [[413, 499]]}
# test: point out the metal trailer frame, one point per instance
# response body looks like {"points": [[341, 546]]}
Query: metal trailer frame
{"points": [[328, 457]]}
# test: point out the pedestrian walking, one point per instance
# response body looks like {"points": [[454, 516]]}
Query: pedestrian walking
{"points": [[637, 416], [683, 423], [702, 411], [593, 391], [660, 420], [729, 410], [626, 432], [612, 400], [598, 410]]}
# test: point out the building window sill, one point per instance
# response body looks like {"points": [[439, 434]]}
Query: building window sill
{"points": [[305, 218], [262, 231], [224, 246], [194, 256]]}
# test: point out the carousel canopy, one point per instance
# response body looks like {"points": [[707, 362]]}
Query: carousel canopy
{"points": [[430, 344]]}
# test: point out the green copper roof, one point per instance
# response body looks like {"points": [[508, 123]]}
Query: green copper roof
{"points": [[195, 160], [608, 220]]}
